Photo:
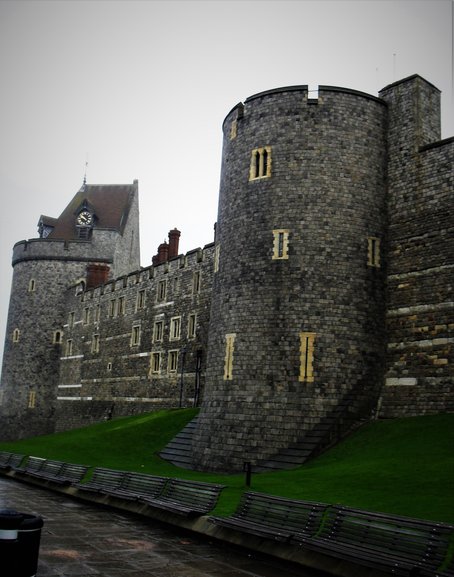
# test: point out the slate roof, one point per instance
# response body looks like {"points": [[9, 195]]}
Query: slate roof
{"points": [[109, 202]]}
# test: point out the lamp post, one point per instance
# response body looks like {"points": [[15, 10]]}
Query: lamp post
{"points": [[183, 357]]}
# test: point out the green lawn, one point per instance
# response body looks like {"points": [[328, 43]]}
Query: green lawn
{"points": [[403, 466]]}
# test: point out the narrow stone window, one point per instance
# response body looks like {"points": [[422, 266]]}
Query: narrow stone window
{"points": [[172, 362], [86, 316], [32, 399], [140, 303], [16, 335], [307, 357], [121, 306], [196, 282], [69, 348], [57, 337], [373, 251], [233, 129], [135, 336], [112, 307], [109, 367], [97, 313], [260, 163], [192, 326], [175, 328], [155, 366], [280, 244], [95, 344], [217, 254], [71, 318], [32, 285], [162, 290], [228, 362]]}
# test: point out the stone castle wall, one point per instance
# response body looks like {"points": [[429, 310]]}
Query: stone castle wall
{"points": [[109, 368]]}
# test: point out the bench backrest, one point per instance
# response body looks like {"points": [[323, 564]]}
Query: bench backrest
{"points": [[4, 457], [143, 484], [281, 513], [418, 540], [34, 463], [15, 460], [196, 494], [111, 478], [51, 467], [73, 471]]}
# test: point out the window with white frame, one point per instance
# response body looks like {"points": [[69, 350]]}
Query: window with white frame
{"points": [[175, 328], [172, 362], [158, 331], [260, 163]]}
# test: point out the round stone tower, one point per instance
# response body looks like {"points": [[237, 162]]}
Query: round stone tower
{"points": [[297, 308]]}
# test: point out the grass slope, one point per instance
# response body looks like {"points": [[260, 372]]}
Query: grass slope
{"points": [[403, 466]]}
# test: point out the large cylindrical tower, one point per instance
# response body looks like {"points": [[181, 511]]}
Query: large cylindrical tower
{"points": [[297, 305]]}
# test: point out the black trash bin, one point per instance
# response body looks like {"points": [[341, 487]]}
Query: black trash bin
{"points": [[20, 535]]}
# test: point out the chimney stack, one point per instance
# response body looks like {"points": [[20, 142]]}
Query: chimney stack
{"points": [[169, 250], [174, 241]]}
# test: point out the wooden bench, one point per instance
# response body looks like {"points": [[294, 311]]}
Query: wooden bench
{"points": [[102, 480], [10, 460], [274, 517], [136, 485], [48, 469], [60, 472], [401, 545], [187, 498], [31, 465]]}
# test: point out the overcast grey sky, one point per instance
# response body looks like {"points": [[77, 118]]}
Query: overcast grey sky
{"points": [[140, 89]]}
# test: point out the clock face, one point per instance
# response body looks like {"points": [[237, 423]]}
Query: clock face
{"points": [[85, 218]]}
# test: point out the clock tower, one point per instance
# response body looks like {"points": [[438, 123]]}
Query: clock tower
{"points": [[99, 227]]}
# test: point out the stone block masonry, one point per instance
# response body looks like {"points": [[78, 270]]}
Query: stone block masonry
{"points": [[325, 300]]}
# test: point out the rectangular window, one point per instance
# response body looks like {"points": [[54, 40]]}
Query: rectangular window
{"points": [[71, 318], [172, 362], [217, 254], [95, 344], [86, 316], [69, 348], [121, 306], [162, 290], [16, 335], [260, 163], [140, 303], [373, 251], [175, 328], [158, 331], [307, 357], [155, 367], [228, 361], [112, 306], [196, 280], [31, 285], [135, 336], [97, 313], [192, 326], [32, 400], [280, 244]]}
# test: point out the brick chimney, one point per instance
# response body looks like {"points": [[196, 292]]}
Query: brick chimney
{"points": [[174, 240], [97, 274], [163, 253]]}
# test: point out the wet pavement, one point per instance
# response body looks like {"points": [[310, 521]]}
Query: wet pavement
{"points": [[80, 540]]}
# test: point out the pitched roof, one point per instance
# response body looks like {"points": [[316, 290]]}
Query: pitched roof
{"points": [[109, 202]]}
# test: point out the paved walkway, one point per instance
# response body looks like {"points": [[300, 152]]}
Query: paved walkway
{"points": [[80, 540]]}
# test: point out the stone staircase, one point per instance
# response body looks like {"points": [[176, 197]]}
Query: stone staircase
{"points": [[335, 425], [178, 451]]}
